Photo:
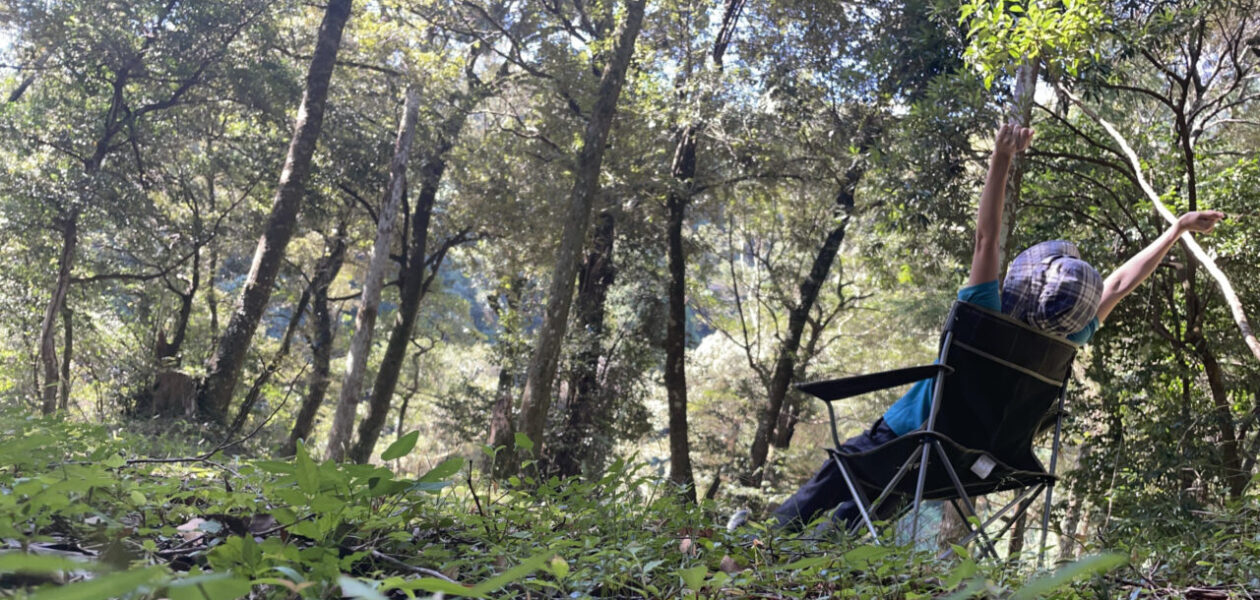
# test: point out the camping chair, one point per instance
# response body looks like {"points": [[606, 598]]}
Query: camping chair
{"points": [[996, 385]]}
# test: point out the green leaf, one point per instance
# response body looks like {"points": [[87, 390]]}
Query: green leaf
{"points": [[401, 446], [219, 586], [1090, 565], [526, 567], [353, 588], [17, 562], [444, 470], [435, 585], [693, 578], [523, 442], [108, 586], [307, 470], [559, 567]]}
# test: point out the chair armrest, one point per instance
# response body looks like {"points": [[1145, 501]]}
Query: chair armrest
{"points": [[846, 387]]}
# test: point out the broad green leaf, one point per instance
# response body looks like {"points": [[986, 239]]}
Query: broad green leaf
{"points": [[559, 567], [107, 586], [401, 446], [693, 578], [444, 470], [1090, 565], [435, 585], [353, 588], [526, 567], [14, 562], [523, 442], [307, 470], [219, 586]]}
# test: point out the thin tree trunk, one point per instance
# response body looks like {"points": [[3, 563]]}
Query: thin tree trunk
{"points": [[67, 355], [321, 342], [186, 298], [212, 298], [412, 288], [1015, 545], [48, 330], [1231, 458], [224, 367], [1020, 112], [502, 429], [680, 472], [785, 364], [370, 301], [273, 365], [594, 280], [542, 367]]}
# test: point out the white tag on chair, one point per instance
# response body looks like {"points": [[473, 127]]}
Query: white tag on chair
{"points": [[983, 466]]}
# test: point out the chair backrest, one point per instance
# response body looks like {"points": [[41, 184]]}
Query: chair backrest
{"points": [[1007, 377]]}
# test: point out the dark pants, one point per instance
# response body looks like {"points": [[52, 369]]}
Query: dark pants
{"points": [[827, 490]]}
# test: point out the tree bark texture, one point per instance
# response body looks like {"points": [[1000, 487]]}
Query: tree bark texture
{"points": [[68, 225], [321, 343], [373, 282], [224, 367], [785, 364], [684, 170], [577, 442], [273, 365], [542, 367]]}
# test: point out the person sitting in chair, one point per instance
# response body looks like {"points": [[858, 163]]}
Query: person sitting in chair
{"points": [[1047, 286]]}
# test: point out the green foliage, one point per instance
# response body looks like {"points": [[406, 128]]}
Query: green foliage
{"points": [[1005, 34]]}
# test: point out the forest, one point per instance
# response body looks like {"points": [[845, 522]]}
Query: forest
{"points": [[510, 298]]}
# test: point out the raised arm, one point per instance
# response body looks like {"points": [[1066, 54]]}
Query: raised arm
{"points": [[1134, 271], [1010, 140]]}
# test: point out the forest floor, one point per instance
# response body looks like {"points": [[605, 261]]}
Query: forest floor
{"points": [[82, 516]]}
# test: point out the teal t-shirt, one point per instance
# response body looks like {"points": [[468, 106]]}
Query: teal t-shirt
{"points": [[911, 411]]}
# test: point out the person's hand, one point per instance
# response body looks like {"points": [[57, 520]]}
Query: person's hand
{"points": [[1012, 139], [1202, 221]]}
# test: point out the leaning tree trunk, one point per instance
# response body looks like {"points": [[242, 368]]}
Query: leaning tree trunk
{"points": [[373, 282], [594, 280], [785, 364], [48, 329], [321, 343], [542, 367], [224, 367]]}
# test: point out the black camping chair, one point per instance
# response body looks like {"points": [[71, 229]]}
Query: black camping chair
{"points": [[997, 381]]}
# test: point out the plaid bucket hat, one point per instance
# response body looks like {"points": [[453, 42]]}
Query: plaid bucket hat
{"points": [[1049, 287]]}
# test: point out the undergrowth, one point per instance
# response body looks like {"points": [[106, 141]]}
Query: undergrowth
{"points": [[82, 517]]}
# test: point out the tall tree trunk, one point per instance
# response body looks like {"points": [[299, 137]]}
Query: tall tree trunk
{"points": [[186, 297], [224, 367], [321, 342], [793, 402], [273, 365], [68, 224], [412, 287], [1020, 112], [785, 364], [594, 280], [1231, 458], [67, 355], [680, 472], [542, 367], [373, 282], [683, 170]]}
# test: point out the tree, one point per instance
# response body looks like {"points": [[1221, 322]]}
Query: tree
{"points": [[542, 367], [365, 318], [224, 366]]}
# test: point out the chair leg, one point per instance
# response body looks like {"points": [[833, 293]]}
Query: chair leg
{"points": [[892, 485], [857, 496], [1024, 500], [962, 495], [918, 494], [1045, 526]]}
